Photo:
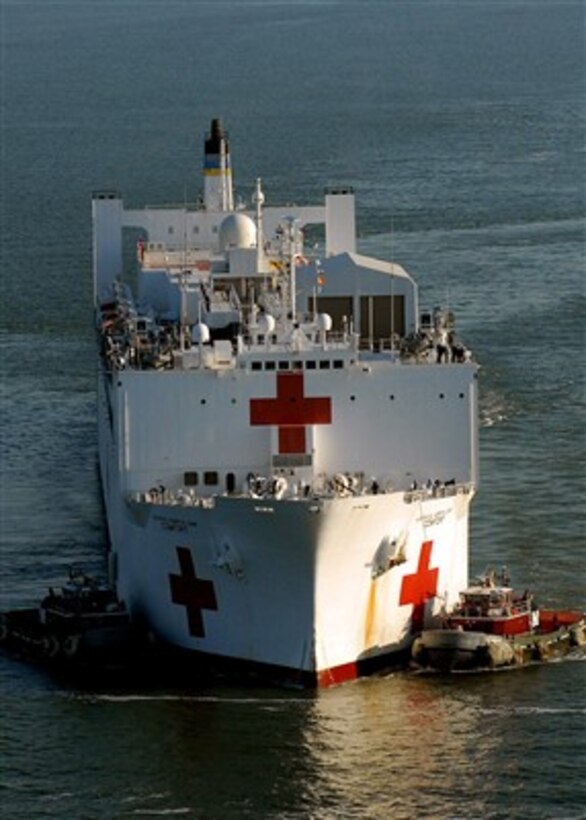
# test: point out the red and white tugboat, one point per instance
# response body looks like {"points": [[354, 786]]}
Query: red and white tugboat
{"points": [[494, 626]]}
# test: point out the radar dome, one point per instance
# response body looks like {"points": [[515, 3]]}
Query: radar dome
{"points": [[237, 231], [324, 321], [266, 323], [200, 334]]}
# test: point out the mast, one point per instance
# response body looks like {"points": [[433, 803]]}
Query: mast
{"points": [[292, 262], [258, 199]]}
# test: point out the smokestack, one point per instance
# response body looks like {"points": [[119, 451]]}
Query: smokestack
{"points": [[216, 170]]}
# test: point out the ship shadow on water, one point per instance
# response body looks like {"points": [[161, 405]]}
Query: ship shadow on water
{"points": [[405, 744]]}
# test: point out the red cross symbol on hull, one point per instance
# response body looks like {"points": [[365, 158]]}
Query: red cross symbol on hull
{"points": [[192, 592], [418, 588], [291, 412]]}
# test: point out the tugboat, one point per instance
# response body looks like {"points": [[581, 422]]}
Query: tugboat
{"points": [[81, 620], [495, 626]]}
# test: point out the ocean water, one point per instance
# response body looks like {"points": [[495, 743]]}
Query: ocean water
{"points": [[461, 125]]}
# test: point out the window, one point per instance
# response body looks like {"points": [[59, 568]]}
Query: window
{"points": [[210, 478], [310, 364], [190, 479], [338, 364], [256, 366], [270, 365], [283, 365], [324, 364]]}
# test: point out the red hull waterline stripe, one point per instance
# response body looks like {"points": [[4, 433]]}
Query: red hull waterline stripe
{"points": [[204, 662], [362, 668], [337, 674]]}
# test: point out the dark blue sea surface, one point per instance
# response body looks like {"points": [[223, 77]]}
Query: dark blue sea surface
{"points": [[461, 126]]}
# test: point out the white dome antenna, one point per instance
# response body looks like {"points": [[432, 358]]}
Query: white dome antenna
{"points": [[237, 231], [266, 324], [200, 334]]}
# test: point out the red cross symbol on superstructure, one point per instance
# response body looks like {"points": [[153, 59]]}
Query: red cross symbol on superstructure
{"points": [[418, 588], [291, 412], [192, 592]]}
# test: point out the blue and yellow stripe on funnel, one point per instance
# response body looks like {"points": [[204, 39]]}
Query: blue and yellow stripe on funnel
{"points": [[212, 165]]}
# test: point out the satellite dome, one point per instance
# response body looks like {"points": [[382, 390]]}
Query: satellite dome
{"points": [[237, 231], [266, 324], [200, 334], [324, 321]]}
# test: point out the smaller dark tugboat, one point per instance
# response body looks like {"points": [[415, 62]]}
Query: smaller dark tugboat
{"points": [[495, 626], [82, 620]]}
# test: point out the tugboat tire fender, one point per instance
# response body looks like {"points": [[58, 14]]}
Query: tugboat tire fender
{"points": [[543, 650], [70, 646], [3, 628], [50, 646], [500, 653], [577, 634]]}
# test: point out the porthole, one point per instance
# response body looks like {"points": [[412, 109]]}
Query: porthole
{"points": [[391, 397], [441, 395], [461, 395], [203, 401], [352, 398]]}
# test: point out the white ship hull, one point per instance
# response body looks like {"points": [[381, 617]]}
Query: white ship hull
{"points": [[305, 588]]}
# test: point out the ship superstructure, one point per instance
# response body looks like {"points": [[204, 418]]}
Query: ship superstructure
{"points": [[288, 443]]}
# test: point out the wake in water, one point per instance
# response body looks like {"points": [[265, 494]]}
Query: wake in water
{"points": [[532, 710], [494, 408], [180, 698]]}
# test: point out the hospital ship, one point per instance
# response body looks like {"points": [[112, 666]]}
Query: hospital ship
{"points": [[287, 438]]}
